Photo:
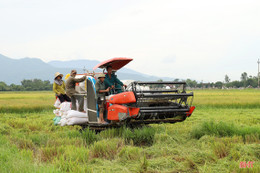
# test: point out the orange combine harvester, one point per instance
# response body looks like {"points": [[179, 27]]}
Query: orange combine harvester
{"points": [[140, 103]]}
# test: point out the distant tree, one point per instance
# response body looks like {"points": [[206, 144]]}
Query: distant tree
{"points": [[212, 84], [207, 85], [14, 87], [4, 87], [157, 86], [218, 84], [36, 85], [251, 82], [47, 85], [191, 83], [243, 76], [235, 84], [227, 79], [200, 85]]}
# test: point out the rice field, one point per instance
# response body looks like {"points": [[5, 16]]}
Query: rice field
{"points": [[249, 98], [222, 135]]}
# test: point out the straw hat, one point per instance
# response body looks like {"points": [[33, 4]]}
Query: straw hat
{"points": [[58, 74], [73, 72], [101, 75]]}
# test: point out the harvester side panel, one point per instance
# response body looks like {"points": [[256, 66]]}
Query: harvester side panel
{"points": [[91, 101]]}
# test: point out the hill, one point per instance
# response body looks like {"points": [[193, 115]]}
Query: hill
{"points": [[87, 64], [16, 70]]}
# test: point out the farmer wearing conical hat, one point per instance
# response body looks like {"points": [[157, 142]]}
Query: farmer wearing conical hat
{"points": [[101, 93], [59, 88]]}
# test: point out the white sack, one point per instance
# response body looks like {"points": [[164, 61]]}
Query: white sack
{"points": [[57, 103], [63, 122], [61, 113], [72, 113], [76, 120], [65, 106], [56, 112]]}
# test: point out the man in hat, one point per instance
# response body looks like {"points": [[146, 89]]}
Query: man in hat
{"points": [[72, 93], [59, 88], [100, 96], [112, 81]]}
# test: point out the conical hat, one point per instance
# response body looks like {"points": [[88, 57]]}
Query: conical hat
{"points": [[58, 74], [101, 75]]}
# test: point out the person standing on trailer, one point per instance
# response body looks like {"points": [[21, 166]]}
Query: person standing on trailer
{"points": [[112, 81], [59, 88], [72, 93], [101, 91]]}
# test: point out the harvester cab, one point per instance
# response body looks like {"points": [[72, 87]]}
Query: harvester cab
{"points": [[140, 103]]}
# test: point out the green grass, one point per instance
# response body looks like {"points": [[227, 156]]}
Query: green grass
{"points": [[223, 131], [213, 98], [25, 102], [140, 136]]}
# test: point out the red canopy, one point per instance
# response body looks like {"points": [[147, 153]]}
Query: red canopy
{"points": [[116, 63]]}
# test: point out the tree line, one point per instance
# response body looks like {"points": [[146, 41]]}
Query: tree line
{"points": [[40, 85], [27, 85], [244, 82]]}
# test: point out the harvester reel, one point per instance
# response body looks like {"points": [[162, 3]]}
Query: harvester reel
{"points": [[158, 104]]}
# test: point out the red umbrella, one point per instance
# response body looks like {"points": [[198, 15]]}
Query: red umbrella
{"points": [[116, 63]]}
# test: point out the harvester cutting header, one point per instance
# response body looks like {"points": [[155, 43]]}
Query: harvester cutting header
{"points": [[137, 103]]}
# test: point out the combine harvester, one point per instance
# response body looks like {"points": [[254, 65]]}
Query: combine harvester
{"points": [[140, 103]]}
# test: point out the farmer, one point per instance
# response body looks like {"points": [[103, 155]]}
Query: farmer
{"points": [[72, 93], [112, 81], [59, 88], [101, 93]]}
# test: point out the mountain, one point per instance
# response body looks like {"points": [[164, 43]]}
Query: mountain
{"points": [[16, 70], [87, 64], [81, 63], [124, 73]]}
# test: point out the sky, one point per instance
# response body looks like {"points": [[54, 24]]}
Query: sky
{"points": [[202, 40]]}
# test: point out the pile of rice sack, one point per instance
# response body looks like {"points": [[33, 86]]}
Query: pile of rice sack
{"points": [[66, 116]]}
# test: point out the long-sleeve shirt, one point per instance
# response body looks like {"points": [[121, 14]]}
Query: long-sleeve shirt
{"points": [[71, 83], [112, 81], [59, 89], [100, 86]]}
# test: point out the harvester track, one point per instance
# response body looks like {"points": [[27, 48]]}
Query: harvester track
{"points": [[131, 124]]}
